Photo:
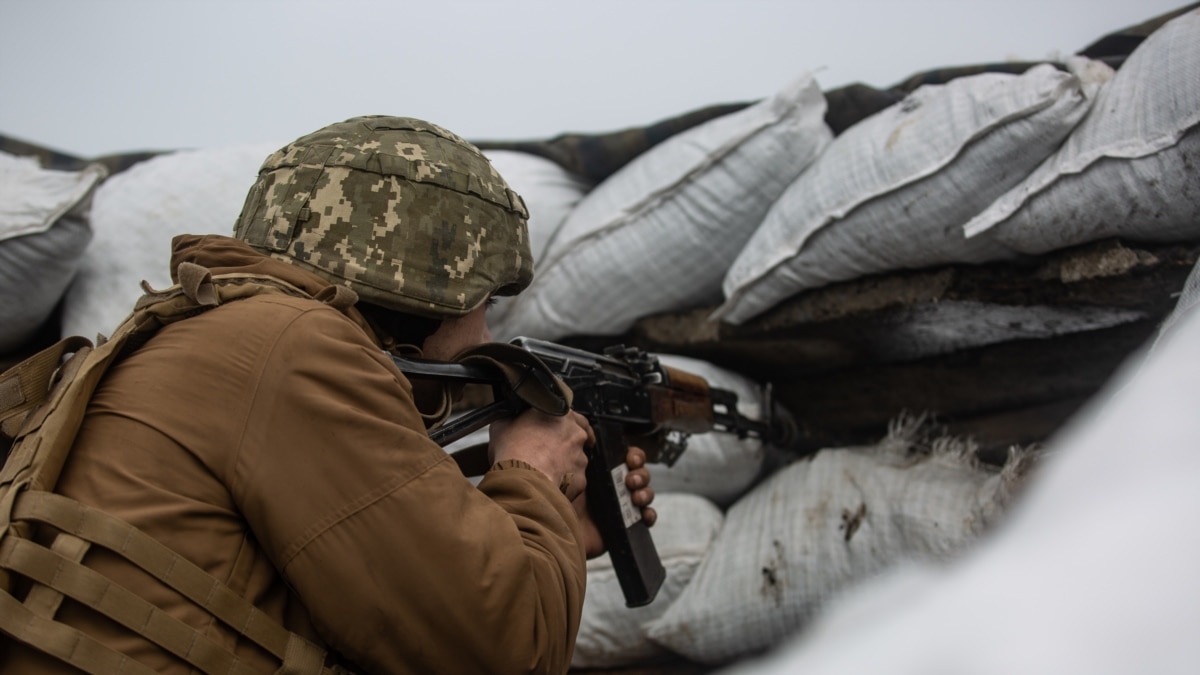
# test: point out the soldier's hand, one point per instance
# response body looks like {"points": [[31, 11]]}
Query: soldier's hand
{"points": [[551, 444], [638, 482], [640, 493]]}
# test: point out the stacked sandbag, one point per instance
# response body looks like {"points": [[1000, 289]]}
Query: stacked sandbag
{"points": [[819, 526], [894, 190], [1129, 169], [135, 215], [1094, 572], [611, 634], [659, 234], [44, 232], [550, 193]]}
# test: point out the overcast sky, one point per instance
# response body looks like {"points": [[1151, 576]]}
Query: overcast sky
{"points": [[92, 77]]}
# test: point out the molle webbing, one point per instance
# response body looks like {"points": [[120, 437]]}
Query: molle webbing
{"points": [[62, 573], [44, 402], [25, 386]]}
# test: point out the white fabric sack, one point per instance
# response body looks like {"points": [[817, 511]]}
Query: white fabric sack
{"points": [[894, 190], [719, 466], [44, 231], [32, 199], [550, 193], [1094, 572], [135, 215], [659, 234], [817, 527], [1129, 169], [613, 635]]}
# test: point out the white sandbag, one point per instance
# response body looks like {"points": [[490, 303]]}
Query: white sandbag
{"points": [[135, 215], [44, 231], [550, 193], [1129, 170], [659, 234], [894, 190], [1094, 572], [817, 527], [718, 466], [613, 635], [32, 199]]}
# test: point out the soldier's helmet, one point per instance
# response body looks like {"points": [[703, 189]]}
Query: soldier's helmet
{"points": [[407, 214]]}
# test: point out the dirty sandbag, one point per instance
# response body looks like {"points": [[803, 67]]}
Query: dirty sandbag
{"points": [[893, 191], [819, 526], [1128, 169]]}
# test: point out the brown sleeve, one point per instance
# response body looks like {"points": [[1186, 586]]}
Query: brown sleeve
{"points": [[402, 564]]}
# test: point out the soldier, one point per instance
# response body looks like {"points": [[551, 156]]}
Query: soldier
{"points": [[270, 440]]}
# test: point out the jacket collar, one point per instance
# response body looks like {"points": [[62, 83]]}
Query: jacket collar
{"points": [[226, 255]]}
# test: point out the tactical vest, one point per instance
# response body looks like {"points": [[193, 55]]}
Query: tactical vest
{"points": [[42, 403]]}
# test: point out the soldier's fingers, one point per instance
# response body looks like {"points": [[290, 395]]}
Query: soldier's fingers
{"points": [[642, 497], [635, 457], [638, 478], [650, 516]]}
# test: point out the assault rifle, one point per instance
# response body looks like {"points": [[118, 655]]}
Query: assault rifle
{"points": [[629, 398]]}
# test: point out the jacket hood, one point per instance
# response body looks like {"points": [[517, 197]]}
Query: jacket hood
{"points": [[226, 255]]}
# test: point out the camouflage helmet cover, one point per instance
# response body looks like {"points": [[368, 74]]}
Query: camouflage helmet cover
{"points": [[407, 214]]}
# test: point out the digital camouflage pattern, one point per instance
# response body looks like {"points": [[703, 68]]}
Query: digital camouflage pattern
{"points": [[405, 213]]}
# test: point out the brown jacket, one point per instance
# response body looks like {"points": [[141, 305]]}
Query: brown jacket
{"points": [[271, 441]]}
